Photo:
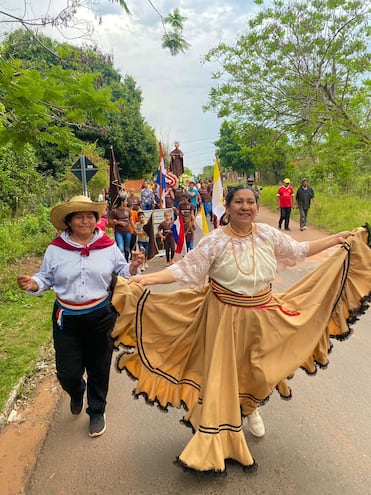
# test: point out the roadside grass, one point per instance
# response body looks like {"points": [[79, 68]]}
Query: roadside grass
{"points": [[25, 321], [25, 334]]}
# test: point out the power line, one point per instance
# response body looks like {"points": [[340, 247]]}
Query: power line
{"points": [[198, 140]]}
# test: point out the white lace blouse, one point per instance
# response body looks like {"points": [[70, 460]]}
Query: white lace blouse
{"points": [[244, 265]]}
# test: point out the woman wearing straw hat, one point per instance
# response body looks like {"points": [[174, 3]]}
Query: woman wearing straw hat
{"points": [[79, 265]]}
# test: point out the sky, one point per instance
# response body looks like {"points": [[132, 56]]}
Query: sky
{"points": [[174, 89]]}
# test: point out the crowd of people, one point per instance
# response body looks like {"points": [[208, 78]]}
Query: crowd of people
{"points": [[187, 200], [221, 346], [126, 214]]}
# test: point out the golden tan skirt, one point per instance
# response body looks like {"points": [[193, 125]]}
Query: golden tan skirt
{"points": [[221, 361]]}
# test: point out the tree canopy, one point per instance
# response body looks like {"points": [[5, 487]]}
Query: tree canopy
{"points": [[301, 69], [57, 104], [248, 149]]}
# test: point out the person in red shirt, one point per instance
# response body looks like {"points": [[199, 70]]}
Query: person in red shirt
{"points": [[103, 221], [285, 196]]}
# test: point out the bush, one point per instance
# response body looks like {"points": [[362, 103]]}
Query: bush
{"points": [[37, 223], [27, 236]]}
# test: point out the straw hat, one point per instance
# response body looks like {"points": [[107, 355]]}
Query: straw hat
{"points": [[75, 204]]}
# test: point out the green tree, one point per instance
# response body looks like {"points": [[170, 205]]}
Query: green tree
{"points": [[230, 150], [45, 108], [248, 149], [66, 19], [133, 140], [268, 151], [114, 120], [20, 184], [57, 106], [301, 68], [173, 40]]}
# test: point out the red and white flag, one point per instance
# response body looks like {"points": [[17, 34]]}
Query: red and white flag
{"points": [[178, 232]]}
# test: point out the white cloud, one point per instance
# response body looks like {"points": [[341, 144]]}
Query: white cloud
{"points": [[174, 89]]}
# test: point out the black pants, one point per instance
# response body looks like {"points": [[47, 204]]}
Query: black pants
{"points": [[84, 343], [284, 217], [169, 245]]}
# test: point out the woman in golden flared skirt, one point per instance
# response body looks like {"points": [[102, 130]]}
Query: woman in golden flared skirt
{"points": [[221, 353]]}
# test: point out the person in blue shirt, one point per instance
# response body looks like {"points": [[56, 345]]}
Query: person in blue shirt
{"points": [[194, 195]]}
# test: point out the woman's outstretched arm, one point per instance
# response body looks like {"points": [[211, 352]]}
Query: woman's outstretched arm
{"points": [[332, 240], [162, 277]]}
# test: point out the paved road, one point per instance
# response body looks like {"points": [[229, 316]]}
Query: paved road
{"points": [[317, 443]]}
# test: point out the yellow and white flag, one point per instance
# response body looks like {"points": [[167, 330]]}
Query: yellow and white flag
{"points": [[201, 220], [217, 197]]}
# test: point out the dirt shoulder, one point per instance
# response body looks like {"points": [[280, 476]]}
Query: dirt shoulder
{"points": [[23, 436]]}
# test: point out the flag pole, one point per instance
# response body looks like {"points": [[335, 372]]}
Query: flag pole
{"points": [[161, 177], [217, 195], [115, 179]]}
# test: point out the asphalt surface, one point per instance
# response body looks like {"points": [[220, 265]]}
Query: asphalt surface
{"points": [[317, 443]]}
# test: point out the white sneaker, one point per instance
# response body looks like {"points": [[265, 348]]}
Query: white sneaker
{"points": [[256, 424]]}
